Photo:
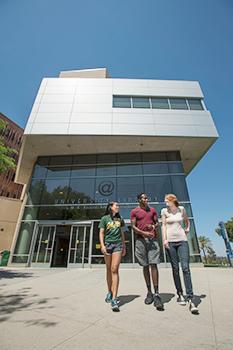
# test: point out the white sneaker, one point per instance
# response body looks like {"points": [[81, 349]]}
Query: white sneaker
{"points": [[181, 300], [192, 307]]}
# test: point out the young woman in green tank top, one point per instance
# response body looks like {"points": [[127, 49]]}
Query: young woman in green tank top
{"points": [[112, 241]]}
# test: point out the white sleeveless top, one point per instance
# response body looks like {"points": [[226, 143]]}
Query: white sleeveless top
{"points": [[175, 231]]}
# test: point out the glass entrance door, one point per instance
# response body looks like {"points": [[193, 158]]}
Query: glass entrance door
{"points": [[79, 246], [61, 246], [44, 241]]}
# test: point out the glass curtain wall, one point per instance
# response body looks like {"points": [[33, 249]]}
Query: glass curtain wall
{"points": [[78, 188]]}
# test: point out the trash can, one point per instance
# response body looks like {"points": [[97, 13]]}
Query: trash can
{"points": [[5, 257]]}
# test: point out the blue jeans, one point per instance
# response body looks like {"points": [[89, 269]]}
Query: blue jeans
{"points": [[179, 251]]}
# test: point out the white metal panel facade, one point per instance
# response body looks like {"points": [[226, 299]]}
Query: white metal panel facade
{"points": [[79, 106]]}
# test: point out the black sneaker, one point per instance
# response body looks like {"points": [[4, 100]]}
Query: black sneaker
{"points": [[158, 301], [149, 298]]}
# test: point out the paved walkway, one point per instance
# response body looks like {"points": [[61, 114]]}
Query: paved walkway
{"points": [[65, 309]]}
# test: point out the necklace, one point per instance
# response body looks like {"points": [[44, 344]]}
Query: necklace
{"points": [[173, 211]]}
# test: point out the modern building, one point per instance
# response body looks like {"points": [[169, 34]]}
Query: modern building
{"points": [[10, 191], [91, 139]]}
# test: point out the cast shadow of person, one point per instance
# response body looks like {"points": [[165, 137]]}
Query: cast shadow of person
{"points": [[166, 297], [125, 299], [197, 298]]}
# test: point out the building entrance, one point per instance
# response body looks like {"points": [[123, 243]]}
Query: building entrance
{"points": [[43, 245], [79, 245], [76, 244], [60, 246]]}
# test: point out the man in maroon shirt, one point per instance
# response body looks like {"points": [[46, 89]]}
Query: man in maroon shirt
{"points": [[144, 222]]}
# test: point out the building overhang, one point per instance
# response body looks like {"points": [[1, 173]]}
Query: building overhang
{"points": [[191, 149]]}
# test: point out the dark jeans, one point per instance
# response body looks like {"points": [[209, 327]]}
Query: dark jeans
{"points": [[179, 251]]}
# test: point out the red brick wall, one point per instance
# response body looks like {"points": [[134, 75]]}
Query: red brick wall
{"points": [[12, 138]]}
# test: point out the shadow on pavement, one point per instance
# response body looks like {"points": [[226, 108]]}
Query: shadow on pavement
{"points": [[124, 299], [4, 274], [166, 297], [197, 299], [22, 300]]}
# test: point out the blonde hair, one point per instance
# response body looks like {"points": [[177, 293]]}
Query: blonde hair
{"points": [[172, 198]]}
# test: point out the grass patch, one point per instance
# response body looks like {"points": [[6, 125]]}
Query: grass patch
{"points": [[215, 265]]}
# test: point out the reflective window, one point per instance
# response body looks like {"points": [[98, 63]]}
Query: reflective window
{"points": [[195, 105], [81, 191], [157, 186], [159, 207], [128, 188], [24, 238], [55, 191], [106, 170], [85, 213], [129, 169], [188, 209], [35, 192], [178, 103], [179, 187], [192, 239], [105, 189], [175, 167], [160, 239], [83, 171], [84, 189], [122, 102], [100, 183], [141, 102], [30, 213], [128, 258], [19, 259], [160, 103], [155, 168], [39, 171], [59, 172], [157, 102], [52, 213], [195, 258], [99, 258]]}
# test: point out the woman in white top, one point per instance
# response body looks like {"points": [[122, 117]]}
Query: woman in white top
{"points": [[175, 241]]}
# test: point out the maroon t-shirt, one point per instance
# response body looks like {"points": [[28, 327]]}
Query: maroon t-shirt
{"points": [[143, 217]]}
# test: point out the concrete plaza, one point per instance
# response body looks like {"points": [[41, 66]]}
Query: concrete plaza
{"points": [[65, 309]]}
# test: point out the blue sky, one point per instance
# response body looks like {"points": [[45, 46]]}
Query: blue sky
{"points": [[149, 39]]}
